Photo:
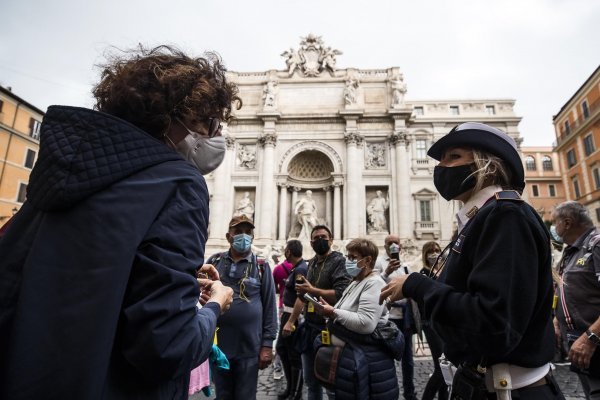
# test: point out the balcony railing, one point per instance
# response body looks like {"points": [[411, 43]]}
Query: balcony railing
{"points": [[594, 108], [428, 228]]}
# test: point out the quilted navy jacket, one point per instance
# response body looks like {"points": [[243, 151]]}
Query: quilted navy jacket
{"points": [[97, 288]]}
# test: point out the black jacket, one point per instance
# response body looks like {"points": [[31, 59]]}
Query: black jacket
{"points": [[97, 287], [493, 300]]}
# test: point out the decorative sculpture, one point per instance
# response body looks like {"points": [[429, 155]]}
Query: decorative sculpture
{"points": [[245, 207], [376, 212], [247, 157], [311, 58], [306, 212]]}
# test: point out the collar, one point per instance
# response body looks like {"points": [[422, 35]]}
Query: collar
{"points": [[468, 210], [581, 239], [247, 258]]}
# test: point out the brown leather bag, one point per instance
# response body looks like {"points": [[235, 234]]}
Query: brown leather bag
{"points": [[326, 362]]}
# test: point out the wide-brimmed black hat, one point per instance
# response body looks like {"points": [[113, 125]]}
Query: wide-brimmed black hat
{"points": [[484, 137]]}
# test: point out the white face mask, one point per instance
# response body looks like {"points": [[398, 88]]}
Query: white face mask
{"points": [[204, 152]]}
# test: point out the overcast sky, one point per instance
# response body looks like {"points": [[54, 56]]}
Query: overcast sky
{"points": [[538, 52]]}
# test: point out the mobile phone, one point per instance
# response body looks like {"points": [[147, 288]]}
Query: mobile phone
{"points": [[313, 300]]}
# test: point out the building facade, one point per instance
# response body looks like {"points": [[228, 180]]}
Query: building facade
{"points": [[577, 127], [544, 187], [19, 144], [343, 147]]}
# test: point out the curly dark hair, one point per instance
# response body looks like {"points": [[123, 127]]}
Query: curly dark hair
{"points": [[151, 87]]}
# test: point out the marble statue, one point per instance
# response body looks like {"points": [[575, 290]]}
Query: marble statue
{"points": [[306, 212], [269, 94], [376, 212], [398, 91], [245, 207], [350, 91]]}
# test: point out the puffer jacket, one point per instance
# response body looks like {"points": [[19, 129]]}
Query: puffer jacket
{"points": [[97, 287]]}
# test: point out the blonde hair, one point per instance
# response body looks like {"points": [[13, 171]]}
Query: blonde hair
{"points": [[490, 170]]}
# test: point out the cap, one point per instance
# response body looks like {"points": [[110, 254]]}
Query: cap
{"points": [[481, 136], [240, 219]]}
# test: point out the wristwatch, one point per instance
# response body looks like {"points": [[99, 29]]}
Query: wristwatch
{"points": [[593, 337]]}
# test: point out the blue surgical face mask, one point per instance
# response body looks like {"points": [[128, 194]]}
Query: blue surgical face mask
{"points": [[555, 235], [352, 267], [242, 242]]}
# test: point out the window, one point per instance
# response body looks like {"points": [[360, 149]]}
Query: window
{"points": [[547, 163], [552, 190], [585, 109], [425, 208], [454, 110], [530, 163], [34, 128], [567, 128], [576, 188], [418, 111], [597, 214], [29, 158], [588, 144], [596, 172], [535, 190], [1, 105], [571, 160], [490, 110], [421, 147], [22, 196]]}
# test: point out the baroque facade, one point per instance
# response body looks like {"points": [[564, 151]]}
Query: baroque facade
{"points": [[343, 147]]}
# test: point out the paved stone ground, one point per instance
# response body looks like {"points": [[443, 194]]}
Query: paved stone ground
{"points": [[268, 387]]}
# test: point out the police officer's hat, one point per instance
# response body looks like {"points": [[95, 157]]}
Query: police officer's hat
{"points": [[492, 140]]}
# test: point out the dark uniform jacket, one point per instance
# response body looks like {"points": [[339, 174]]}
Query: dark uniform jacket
{"points": [[493, 300], [97, 270]]}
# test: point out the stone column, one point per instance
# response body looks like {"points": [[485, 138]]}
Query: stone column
{"points": [[267, 187], [337, 211], [354, 189], [403, 194], [219, 212], [283, 211], [328, 206]]}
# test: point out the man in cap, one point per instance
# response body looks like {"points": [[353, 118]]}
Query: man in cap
{"points": [[491, 304], [246, 333], [578, 311]]}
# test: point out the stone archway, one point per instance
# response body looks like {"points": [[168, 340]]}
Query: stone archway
{"points": [[309, 173]]}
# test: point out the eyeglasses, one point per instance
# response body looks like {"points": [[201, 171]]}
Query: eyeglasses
{"points": [[214, 127]]}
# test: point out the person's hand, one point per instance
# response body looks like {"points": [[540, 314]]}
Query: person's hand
{"points": [[208, 271], [581, 352], [265, 357], [326, 310], [393, 290], [392, 266], [304, 287], [288, 329], [215, 291]]}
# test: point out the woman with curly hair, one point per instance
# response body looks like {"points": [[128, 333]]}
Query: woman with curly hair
{"points": [[98, 274]]}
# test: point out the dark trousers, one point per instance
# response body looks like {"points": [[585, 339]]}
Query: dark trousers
{"points": [[550, 391], [408, 364], [435, 384], [290, 359], [239, 382]]}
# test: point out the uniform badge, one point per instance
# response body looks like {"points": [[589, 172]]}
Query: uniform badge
{"points": [[459, 244]]}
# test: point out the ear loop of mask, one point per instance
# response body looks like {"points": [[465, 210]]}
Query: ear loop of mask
{"points": [[168, 139]]}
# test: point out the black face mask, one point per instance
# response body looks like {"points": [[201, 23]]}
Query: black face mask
{"points": [[320, 246], [453, 181]]}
